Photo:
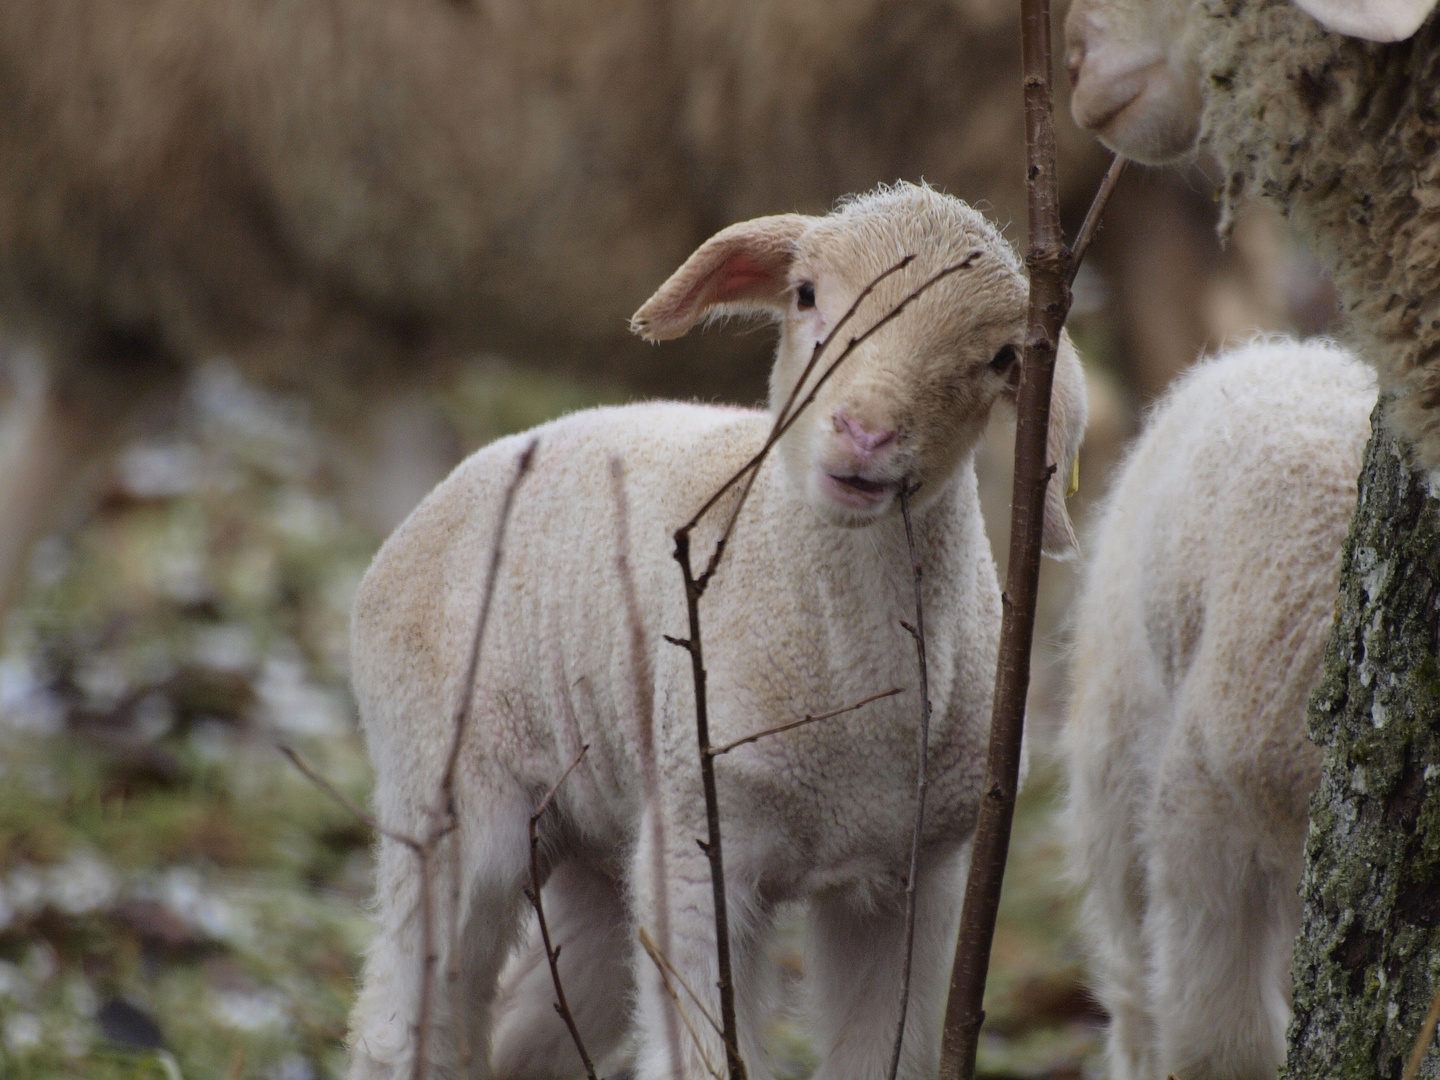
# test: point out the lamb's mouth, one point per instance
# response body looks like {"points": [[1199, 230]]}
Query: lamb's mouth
{"points": [[859, 491]]}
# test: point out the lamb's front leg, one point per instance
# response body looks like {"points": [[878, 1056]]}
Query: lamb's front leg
{"points": [[857, 950], [673, 902]]}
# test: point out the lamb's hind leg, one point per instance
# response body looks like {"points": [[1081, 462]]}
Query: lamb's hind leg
{"points": [[675, 891], [589, 924], [493, 860], [1220, 925]]}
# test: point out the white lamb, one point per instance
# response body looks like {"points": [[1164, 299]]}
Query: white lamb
{"points": [[1199, 634], [804, 615]]}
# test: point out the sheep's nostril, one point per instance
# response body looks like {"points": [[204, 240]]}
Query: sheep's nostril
{"points": [[864, 440], [1074, 61]]}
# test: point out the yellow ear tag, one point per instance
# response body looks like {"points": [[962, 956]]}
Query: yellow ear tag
{"points": [[1074, 484]]}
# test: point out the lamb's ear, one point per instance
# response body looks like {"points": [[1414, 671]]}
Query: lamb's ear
{"points": [[741, 268], [1068, 413], [1372, 20]]}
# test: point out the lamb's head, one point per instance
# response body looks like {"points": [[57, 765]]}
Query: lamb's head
{"points": [[912, 399], [1135, 69]]}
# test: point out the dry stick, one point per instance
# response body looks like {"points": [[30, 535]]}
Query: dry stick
{"points": [[666, 969], [552, 953], [445, 816], [642, 707], [752, 466], [921, 779], [1422, 1040], [1051, 267], [658, 955], [718, 750], [695, 588]]}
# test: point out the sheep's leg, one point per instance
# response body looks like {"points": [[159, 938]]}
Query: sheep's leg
{"points": [[857, 952], [1112, 912], [590, 925], [678, 891], [1109, 777], [1220, 925], [494, 857]]}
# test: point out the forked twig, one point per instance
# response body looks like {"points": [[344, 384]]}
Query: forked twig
{"points": [[1423, 1039], [784, 422], [552, 953], [780, 417], [921, 775], [665, 968], [695, 589], [793, 724]]}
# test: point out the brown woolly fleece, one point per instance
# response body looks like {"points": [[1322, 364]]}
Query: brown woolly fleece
{"points": [[1344, 135]]}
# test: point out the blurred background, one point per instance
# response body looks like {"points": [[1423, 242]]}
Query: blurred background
{"points": [[267, 271]]}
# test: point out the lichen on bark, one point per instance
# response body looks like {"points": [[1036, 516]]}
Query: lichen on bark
{"points": [[1367, 960]]}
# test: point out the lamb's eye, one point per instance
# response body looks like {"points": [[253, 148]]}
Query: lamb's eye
{"points": [[805, 295], [1004, 360]]}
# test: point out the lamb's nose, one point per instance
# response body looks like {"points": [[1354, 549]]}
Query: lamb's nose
{"points": [[864, 440]]}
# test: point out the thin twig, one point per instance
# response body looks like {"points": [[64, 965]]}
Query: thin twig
{"points": [[642, 707], [1091, 225], [463, 706], [783, 423], [780, 417], [658, 955], [661, 965], [310, 773], [1423, 1039], [445, 812], [735, 1067], [921, 776], [793, 724], [552, 953]]}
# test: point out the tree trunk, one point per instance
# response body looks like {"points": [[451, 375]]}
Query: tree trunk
{"points": [[1367, 960]]}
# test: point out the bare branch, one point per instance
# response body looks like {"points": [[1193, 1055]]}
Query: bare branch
{"points": [[820, 347], [1091, 225], [921, 776], [1050, 264], [783, 423], [1423, 1039], [467, 688], [445, 813], [310, 773], [664, 967], [712, 848], [718, 750], [552, 954]]}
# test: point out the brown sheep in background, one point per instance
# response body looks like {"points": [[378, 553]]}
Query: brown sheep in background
{"points": [[344, 197]]}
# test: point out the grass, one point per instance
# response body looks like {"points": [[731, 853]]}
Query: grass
{"points": [[167, 877]]}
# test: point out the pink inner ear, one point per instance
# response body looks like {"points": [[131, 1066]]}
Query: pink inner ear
{"points": [[741, 272]]}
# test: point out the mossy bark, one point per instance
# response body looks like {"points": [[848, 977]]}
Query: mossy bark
{"points": [[1367, 960]]}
